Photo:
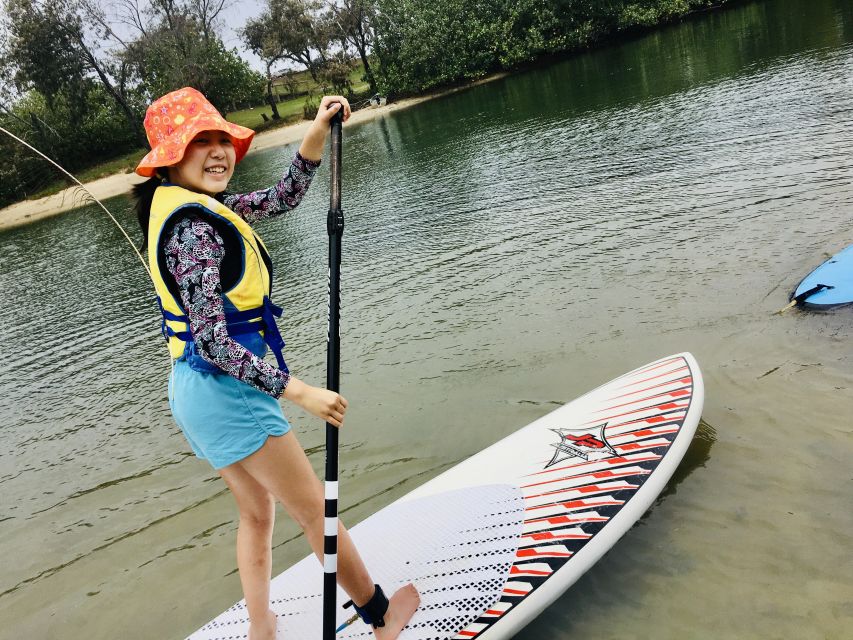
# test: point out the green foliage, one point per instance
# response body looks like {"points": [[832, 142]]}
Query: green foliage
{"points": [[43, 51], [335, 74], [178, 54], [310, 108], [647, 13], [351, 22], [82, 103], [293, 30], [20, 172], [63, 133], [421, 45], [233, 81]]}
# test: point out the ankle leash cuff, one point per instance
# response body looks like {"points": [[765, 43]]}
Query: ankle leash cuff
{"points": [[373, 611]]}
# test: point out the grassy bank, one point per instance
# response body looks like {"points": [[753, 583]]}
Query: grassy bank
{"points": [[291, 106]]}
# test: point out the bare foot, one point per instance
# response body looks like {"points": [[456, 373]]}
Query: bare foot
{"points": [[263, 628], [401, 608]]}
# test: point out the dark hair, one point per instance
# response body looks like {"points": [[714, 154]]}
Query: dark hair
{"points": [[144, 194]]}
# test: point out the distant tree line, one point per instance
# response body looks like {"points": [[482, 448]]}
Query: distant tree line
{"points": [[419, 45], [75, 80]]}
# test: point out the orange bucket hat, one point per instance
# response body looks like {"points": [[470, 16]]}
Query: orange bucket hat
{"points": [[174, 120]]}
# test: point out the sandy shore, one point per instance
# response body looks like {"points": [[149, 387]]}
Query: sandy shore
{"points": [[22, 213]]}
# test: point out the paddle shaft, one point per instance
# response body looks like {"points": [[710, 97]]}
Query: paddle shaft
{"points": [[335, 228]]}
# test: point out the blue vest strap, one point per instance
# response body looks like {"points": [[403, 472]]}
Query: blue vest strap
{"points": [[242, 316], [271, 334], [241, 328], [238, 324], [168, 315]]}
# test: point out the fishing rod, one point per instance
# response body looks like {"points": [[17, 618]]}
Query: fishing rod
{"points": [[335, 229], [91, 195]]}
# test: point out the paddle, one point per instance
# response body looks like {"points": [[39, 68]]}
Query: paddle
{"points": [[335, 228], [805, 294]]}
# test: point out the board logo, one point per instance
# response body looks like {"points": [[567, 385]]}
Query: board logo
{"points": [[588, 444]]}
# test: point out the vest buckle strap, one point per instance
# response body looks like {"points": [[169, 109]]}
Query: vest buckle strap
{"points": [[272, 336], [165, 329]]}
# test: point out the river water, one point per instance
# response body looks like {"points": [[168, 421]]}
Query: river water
{"points": [[507, 248]]}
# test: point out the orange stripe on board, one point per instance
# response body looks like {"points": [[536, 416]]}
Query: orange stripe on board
{"points": [[677, 416], [604, 474], [527, 572], [549, 535], [571, 504], [532, 553], [648, 432], [678, 393], [657, 366], [662, 407], [567, 520], [645, 444], [685, 380]]}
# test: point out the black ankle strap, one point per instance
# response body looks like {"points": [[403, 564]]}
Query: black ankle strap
{"points": [[373, 611]]}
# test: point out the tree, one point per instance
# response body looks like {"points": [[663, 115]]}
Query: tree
{"points": [[176, 44], [353, 23], [207, 13], [175, 54], [257, 36], [229, 80], [43, 48], [291, 30], [48, 48], [74, 141], [290, 82], [336, 72], [425, 44]]}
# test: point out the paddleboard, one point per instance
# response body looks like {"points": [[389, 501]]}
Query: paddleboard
{"points": [[494, 540], [830, 285]]}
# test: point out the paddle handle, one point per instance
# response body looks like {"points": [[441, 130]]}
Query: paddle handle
{"points": [[335, 229], [803, 296]]}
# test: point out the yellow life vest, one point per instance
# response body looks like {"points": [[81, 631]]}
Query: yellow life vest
{"points": [[246, 272]]}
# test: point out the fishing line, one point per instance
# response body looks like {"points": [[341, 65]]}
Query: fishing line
{"points": [[101, 204], [82, 186]]}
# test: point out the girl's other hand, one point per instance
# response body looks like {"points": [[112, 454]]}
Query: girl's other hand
{"points": [[329, 106], [325, 404], [312, 144]]}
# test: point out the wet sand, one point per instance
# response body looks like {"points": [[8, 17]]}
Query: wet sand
{"points": [[28, 211]]}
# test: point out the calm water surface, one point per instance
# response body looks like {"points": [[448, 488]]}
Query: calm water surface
{"points": [[507, 249]]}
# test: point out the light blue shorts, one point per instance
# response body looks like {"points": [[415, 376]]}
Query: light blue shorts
{"points": [[223, 419]]}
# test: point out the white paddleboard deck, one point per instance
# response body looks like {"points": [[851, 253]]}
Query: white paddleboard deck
{"points": [[493, 541]]}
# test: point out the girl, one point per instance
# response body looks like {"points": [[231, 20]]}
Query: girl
{"points": [[213, 277]]}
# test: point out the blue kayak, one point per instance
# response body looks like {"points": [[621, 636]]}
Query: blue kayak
{"points": [[830, 285]]}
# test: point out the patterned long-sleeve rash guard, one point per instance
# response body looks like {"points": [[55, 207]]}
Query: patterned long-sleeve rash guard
{"points": [[194, 254]]}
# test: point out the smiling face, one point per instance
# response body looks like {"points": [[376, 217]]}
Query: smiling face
{"points": [[207, 165]]}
